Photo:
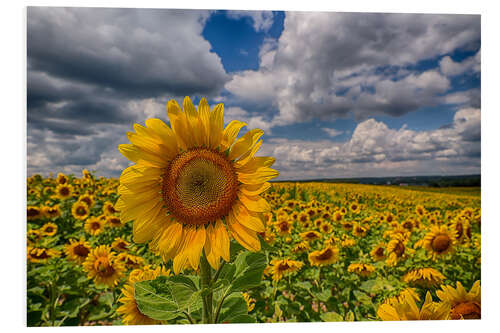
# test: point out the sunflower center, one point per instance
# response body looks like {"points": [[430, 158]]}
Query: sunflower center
{"points": [[103, 267], [379, 252], [325, 255], [80, 211], [441, 243], [199, 186], [283, 267], [33, 212], [466, 310], [64, 191], [81, 250], [399, 249]]}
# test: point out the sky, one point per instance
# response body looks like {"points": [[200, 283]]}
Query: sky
{"points": [[337, 94]]}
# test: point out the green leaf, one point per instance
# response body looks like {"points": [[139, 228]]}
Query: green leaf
{"points": [[331, 316], [166, 298], [249, 269], [349, 316], [243, 319], [362, 297], [234, 306], [303, 285]]}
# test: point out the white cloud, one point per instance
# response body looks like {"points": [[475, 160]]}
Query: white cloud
{"points": [[471, 64], [375, 149], [332, 131], [327, 65], [262, 20]]}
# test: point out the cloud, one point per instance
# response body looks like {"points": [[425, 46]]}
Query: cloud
{"points": [[262, 20], [375, 149], [471, 64], [331, 65], [332, 132], [252, 121], [93, 72], [131, 52]]}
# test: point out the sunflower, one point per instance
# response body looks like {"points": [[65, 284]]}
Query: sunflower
{"points": [[464, 305], [326, 227], [114, 221], [33, 235], [41, 255], [102, 266], [131, 315], [355, 208], [88, 199], [129, 260], [439, 241], [64, 191], [360, 269], [61, 179], [359, 231], [303, 217], [424, 277], [51, 212], [94, 226], [407, 309], [323, 257], [193, 183], [396, 249], [378, 252], [301, 247], [77, 251], [347, 242], [48, 229], [310, 235], [80, 210], [120, 245], [108, 208], [420, 210], [338, 216], [33, 213], [282, 267], [283, 227]]}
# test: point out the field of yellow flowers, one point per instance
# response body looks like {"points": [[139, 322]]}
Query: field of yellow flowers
{"points": [[333, 252]]}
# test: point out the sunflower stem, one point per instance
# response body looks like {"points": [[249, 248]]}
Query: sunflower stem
{"points": [[206, 281]]}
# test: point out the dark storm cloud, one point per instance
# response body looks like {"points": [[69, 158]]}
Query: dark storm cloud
{"points": [[137, 52], [93, 72]]}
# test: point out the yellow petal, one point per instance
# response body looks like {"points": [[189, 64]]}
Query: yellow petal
{"points": [[230, 133], [196, 246], [246, 237], [248, 219], [204, 118], [245, 143], [221, 240], [216, 125], [256, 189], [260, 176], [254, 203]]}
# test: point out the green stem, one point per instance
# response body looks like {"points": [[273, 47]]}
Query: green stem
{"points": [[191, 321], [206, 280], [219, 307], [216, 276]]}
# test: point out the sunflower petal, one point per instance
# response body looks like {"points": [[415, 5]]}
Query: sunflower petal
{"points": [[216, 125], [254, 203], [230, 133], [245, 143]]}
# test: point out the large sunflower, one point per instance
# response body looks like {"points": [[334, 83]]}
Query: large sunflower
{"points": [[194, 184], [464, 304]]}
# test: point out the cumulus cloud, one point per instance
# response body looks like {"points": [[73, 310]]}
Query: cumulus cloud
{"points": [[93, 72], [262, 20], [378, 150], [252, 121], [329, 65]]}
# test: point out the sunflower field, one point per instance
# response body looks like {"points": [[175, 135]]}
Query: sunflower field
{"points": [[328, 252]]}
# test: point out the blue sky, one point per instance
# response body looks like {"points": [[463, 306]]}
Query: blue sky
{"points": [[337, 94]]}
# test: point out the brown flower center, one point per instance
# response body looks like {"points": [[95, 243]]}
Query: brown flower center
{"points": [[81, 250], [327, 254], [199, 186], [441, 243], [103, 267]]}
